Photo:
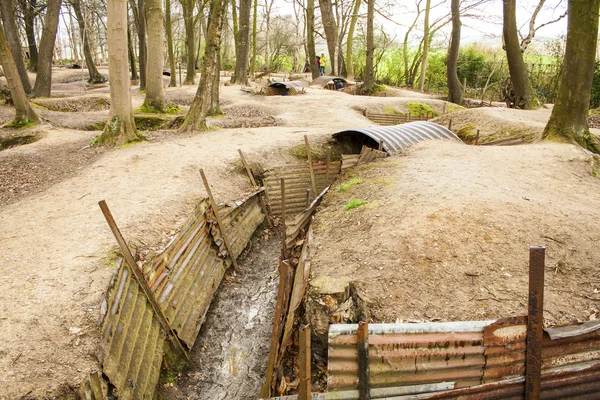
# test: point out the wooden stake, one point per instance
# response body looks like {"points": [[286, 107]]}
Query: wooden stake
{"points": [[450, 125], [139, 277], [310, 166], [477, 138], [219, 222], [327, 166], [444, 109], [362, 334], [282, 184], [248, 170], [305, 361], [380, 148]]}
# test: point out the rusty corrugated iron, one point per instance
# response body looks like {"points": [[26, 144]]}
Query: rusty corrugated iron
{"points": [[132, 341], [398, 137], [408, 354], [297, 182]]}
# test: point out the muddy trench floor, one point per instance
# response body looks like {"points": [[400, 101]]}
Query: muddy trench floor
{"points": [[230, 356]]}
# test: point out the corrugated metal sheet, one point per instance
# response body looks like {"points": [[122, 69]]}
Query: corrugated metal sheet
{"points": [[241, 220], [297, 182], [132, 340], [408, 354], [324, 80], [398, 137], [411, 392], [294, 84]]}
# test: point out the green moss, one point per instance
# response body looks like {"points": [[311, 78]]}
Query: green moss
{"points": [[14, 141], [171, 109], [140, 139], [21, 124], [173, 365], [94, 141], [416, 109], [318, 152], [151, 122], [467, 133], [347, 185], [451, 107], [391, 110], [354, 203]]}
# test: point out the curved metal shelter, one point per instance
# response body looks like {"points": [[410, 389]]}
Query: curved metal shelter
{"points": [[398, 137], [294, 84], [324, 80]]}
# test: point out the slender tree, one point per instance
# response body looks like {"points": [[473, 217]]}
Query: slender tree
{"points": [[369, 81], [425, 46], [195, 120], [524, 97], [331, 33], [43, 80], [169, 33], [134, 74], [254, 24], [95, 76], [350, 41], [120, 127], [455, 90], [155, 94], [242, 46], [23, 111], [142, 42], [29, 10], [188, 19], [12, 38], [569, 119], [310, 33]]}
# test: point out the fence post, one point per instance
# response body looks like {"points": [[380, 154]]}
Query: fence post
{"points": [[380, 147], [139, 277], [444, 109], [477, 138], [305, 362], [283, 216], [253, 182], [362, 335], [213, 205], [450, 125], [310, 166], [327, 165], [535, 323]]}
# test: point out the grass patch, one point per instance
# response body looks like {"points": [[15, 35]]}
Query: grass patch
{"points": [[467, 133], [171, 109], [391, 110], [416, 109], [451, 107], [140, 139], [347, 185], [355, 203], [15, 141], [318, 152], [19, 125]]}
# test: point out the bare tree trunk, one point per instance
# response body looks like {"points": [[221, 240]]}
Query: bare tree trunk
{"points": [[425, 47], [369, 81], [169, 31], [569, 119], [235, 20], [455, 90], [331, 33], [254, 23], [155, 94], [29, 14], [350, 41], [23, 111], [134, 74], [241, 57], [73, 37], [120, 127], [43, 81], [95, 76], [196, 117], [142, 43], [310, 38], [267, 33], [12, 38], [188, 18], [215, 108], [524, 97]]}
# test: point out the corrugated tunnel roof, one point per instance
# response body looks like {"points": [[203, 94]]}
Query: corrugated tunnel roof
{"points": [[398, 137], [290, 84], [324, 80]]}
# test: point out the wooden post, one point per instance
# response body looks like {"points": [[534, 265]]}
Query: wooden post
{"points": [[408, 117], [219, 222], [362, 334], [327, 166], [307, 198], [380, 148], [282, 183], [535, 323], [248, 170], [444, 109], [305, 361], [450, 125], [310, 165], [477, 138], [139, 277]]}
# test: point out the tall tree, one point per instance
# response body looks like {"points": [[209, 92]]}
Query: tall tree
{"points": [[155, 94], [425, 46], [12, 38], [254, 31], [331, 33], [196, 118], [169, 32], [524, 97], [369, 81], [569, 119], [95, 76], [455, 90], [120, 127], [188, 19], [134, 74], [23, 111], [242, 46], [29, 10], [142, 42], [43, 80], [310, 33], [350, 41]]}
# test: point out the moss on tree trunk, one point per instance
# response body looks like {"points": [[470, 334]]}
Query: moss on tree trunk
{"points": [[569, 119]]}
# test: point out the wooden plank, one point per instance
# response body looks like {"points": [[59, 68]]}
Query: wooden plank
{"points": [[364, 390], [305, 360], [310, 165]]}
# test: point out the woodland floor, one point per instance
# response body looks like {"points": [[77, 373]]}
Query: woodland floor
{"points": [[55, 247]]}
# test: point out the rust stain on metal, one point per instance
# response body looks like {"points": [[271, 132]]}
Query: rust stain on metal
{"points": [[535, 323]]}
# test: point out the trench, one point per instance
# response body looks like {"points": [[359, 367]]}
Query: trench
{"points": [[229, 358]]}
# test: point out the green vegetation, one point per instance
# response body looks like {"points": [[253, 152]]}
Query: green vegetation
{"points": [[391, 110], [14, 141], [354, 204], [171, 109], [318, 152], [416, 109], [467, 133], [19, 124], [347, 185]]}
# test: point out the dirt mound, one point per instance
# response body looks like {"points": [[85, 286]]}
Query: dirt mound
{"points": [[245, 116], [75, 104], [443, 234]]}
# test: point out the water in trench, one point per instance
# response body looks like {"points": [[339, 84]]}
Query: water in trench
{"points": [[230, 356]]}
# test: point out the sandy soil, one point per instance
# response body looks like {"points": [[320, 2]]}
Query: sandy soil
{"points": [[54, 242], [446, 229]]}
